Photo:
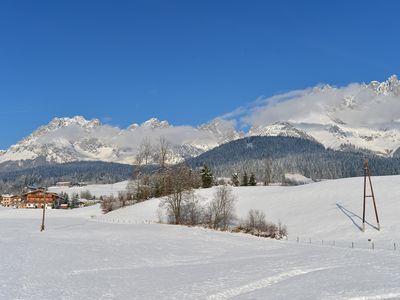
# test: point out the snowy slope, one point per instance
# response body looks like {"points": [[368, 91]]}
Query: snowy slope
{"points": [[77, 258], [328, 210]]}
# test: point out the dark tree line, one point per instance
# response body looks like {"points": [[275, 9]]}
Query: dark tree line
{"points": [[13, 181], [266, 159], [269, 158]]}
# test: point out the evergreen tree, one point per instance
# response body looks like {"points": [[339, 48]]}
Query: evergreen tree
{"points": [[74, 201], [252, 180], [235, 179], [207, 177], [245, 179], [65, 197]]}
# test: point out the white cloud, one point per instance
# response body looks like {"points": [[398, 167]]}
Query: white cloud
{"points": [[128, 139], [355, 104]]}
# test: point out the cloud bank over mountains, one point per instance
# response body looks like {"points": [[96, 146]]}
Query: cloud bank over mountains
{"points": [[72, 139], [355, 116], [372, 105]]}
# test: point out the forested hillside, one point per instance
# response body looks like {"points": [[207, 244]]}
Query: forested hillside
{"points": [[47, 175], [279, 155]]}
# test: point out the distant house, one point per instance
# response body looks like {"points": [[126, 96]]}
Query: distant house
{"points": [[64, 184], [86, 202], [5, 200], [11, 201], [36, 199]]}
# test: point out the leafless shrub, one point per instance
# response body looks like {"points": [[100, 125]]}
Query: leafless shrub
{"points": [[108, 204], [256, 224], [282, 229]]}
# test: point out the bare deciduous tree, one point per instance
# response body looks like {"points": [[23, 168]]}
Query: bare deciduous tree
{"points": [[267, 172], [222, 208], [146, 150], [179, 187], [192, 212], [163, 151]]}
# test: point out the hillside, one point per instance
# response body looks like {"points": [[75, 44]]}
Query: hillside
{"points": [[14, 180], [252, 154], [328, 210], [290, 155], [128, 259]]}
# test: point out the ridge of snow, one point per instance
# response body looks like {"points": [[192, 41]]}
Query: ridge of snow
{"points": [[279, 129]]}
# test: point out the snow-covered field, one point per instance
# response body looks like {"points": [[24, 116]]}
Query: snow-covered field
{"points": [[95, 189], [329, 210], [82, 255]]}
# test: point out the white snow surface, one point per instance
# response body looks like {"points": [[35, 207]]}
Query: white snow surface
{"points": [[298, 178], [95, 189], [85, 255], [329, 210]]}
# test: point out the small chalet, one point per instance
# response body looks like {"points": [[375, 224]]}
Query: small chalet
{"points": [[11, 201], [64, 184], [35, 199]]}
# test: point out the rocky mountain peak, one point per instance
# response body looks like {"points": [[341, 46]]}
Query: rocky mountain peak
{"points": [[280, 128], [222, 129], [390, 86], [154, 123], [58, 123]]}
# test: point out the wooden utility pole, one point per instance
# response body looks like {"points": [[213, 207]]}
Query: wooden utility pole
{"points": [[44, 209], [367, 173]]}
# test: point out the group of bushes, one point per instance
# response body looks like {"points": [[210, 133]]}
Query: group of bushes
{"points": [[110, 203], [186, 209], [255, 224], [218, 214]]}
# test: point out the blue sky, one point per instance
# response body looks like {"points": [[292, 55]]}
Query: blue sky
{"points": [[184, 61]]}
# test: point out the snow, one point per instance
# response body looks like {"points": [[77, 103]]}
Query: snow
{"points": [[358, 115], [95, 189], [298, 178], [77, 139], [85, 255], [329, 210]]}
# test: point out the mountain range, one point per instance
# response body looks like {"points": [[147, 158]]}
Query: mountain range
{"points": [[356, 117]]}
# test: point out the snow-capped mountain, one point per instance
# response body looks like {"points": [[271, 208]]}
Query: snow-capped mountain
{"points": [[77, 139], [155, 123], [358, 116], [223, 130], [279, 129]]}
